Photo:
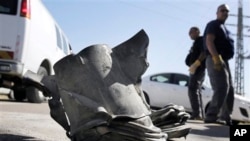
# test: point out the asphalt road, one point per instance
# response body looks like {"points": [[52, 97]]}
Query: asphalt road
{"points": [[23, 121]]}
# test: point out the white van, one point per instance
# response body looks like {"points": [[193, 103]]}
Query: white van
{"points": [[30, 40]]}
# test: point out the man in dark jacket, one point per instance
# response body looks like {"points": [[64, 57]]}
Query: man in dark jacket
{"points": [[195, 61], [219, 47]]}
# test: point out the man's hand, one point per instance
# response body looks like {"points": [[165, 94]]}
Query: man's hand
{"points": [[194, 66], [218, 62]]}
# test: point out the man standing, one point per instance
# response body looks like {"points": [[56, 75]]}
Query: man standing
{"points": [[220, 48], [195, 61]]}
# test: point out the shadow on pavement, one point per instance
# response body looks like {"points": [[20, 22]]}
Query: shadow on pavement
{"points": [[10, 137], [212, 131], [6, 98]]}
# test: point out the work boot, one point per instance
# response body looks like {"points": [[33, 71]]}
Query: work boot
{"points": [[219, 121], [195, 118]]}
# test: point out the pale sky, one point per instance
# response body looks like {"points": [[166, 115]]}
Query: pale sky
{"points": [[167, 22]]}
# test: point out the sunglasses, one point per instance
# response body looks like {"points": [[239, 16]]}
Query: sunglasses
{"points": [[224, 10]]}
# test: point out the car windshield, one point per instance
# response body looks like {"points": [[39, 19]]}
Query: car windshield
{"points": [[8, 7]]}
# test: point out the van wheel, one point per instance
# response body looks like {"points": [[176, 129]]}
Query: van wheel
{"points": [[19, 94], [33, 94]]}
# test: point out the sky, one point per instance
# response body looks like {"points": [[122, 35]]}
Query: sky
{"points": [[166, 22]]}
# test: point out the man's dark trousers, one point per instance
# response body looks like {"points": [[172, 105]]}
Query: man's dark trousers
{"points": [[194, 92], [221, 105]]}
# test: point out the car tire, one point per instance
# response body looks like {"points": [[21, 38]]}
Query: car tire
{"points": [[146, 98], [235, 122], [33, 94]]}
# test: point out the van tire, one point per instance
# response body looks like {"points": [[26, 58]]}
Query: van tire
{"points": [[33, 94], [19, 94]]}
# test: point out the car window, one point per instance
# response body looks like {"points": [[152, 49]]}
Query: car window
{"points": [[8, 7], [65, 45], [181, 79], [58, 38], [163, 78]]}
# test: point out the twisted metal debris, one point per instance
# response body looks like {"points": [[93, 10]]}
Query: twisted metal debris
{"points": [[96, 96]]}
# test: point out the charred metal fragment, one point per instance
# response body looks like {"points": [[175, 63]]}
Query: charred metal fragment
{"points": [[96, 96]]}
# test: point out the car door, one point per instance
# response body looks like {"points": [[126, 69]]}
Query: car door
{"points": [[11, 26], [180, 90], [158, 89]]}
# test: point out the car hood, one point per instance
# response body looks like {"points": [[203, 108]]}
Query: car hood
{"points": [[242, 98]]}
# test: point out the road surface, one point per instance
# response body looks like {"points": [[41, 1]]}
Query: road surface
{"points": [[22, 121]]}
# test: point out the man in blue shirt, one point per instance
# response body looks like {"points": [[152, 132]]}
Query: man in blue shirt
{"points": [[196, 62], [219, 47]]}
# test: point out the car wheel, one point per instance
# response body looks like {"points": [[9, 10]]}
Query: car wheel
{"points": [[33, 94], [146, 98], [206, 108], [235, 122]]}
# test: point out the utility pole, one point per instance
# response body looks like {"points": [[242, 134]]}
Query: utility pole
{"points": [[239, 56], [239, 60]]}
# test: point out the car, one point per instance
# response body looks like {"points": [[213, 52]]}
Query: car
{"points": [[161, 89]]}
